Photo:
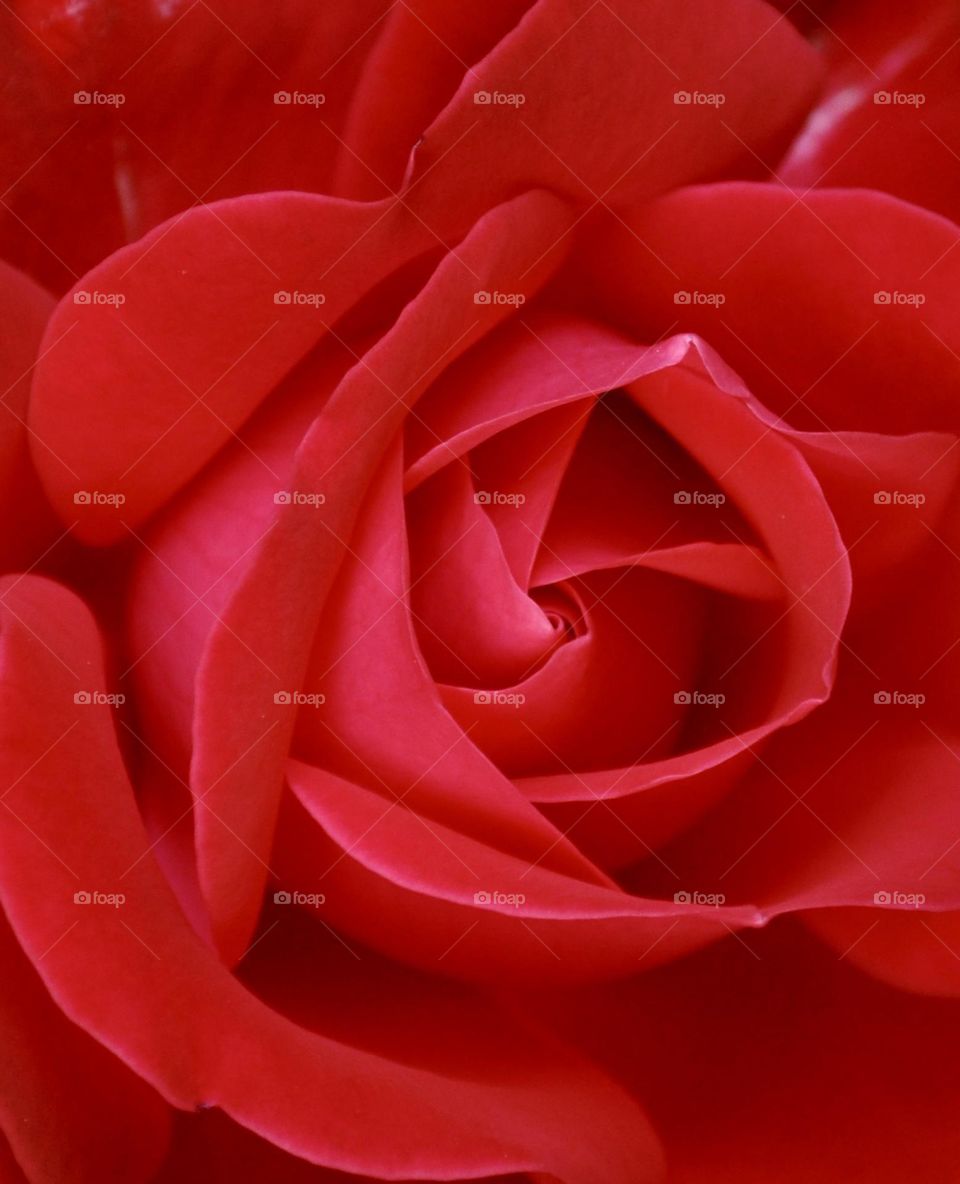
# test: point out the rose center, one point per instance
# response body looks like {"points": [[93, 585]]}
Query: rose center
{"points": [[563, 610]]}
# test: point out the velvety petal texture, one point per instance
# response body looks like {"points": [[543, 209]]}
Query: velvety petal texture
{"points": [[479, 628]]}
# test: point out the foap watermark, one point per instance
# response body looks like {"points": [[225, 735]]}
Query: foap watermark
{"points": [[499, 698], [311, 900], [713, 299], [513, 298], [298, 699], [111, 899], [713, 899], [497, 497], [515, 900], [97, 497], [298, 497], [699, 698], [98, 98], [298, 98], [499, 98], [899, 698], [312, 299], [86, 297], [912, 299], [900, 900], [697, 497], [98, 699], [699, 98], [898, 497], [899, 98]]}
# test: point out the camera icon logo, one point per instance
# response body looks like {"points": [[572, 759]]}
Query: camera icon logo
{"points": [[482, 498], [881, 898], [282, 498], [681, 898], [82, 98], [882, 97], [283, 698], [81, 498], [682, 498], [282, 98], [81, 898], [683, 698], [482, 298], [882, 698], [881, 498], [482, 697], [282, 898], [481, 898], [682, 97], [482, 98], [282, 297], [82, 698]]}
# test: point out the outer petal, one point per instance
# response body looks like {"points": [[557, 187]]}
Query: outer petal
{"points": [[139, 980], [70, 1111], [909, 948], [837, 307], [781, 1062], [211, 1149], [179, 109], [136, 393], [581, 98], [422, 51], [855, 807]]}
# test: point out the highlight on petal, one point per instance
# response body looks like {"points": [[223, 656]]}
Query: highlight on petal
{"points": [[889, 117]]}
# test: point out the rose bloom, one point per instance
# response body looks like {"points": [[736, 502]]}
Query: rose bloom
{"points": [[480, 624]]}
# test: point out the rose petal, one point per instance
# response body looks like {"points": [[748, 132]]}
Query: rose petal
{"points": [[888, 493], [423, 48], [70, 1111], [393, 730], [528, 464], [211, 1149], [25, 309], [476, 624], [858, 799], [144, 985], [258, 652], [841, 271], [780, 1062], [700, 403], [889, 117], [108, 90], [427, 895], [200, 354], [910, 949], [602, 699], [588, 104]]}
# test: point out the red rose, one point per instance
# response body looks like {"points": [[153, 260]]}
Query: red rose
{"points": [[480, 630]]}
